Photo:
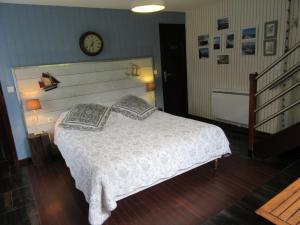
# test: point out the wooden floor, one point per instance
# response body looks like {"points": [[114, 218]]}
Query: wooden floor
{"points": [[190, 198]]}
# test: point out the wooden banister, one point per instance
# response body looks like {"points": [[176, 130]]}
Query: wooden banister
{"points": [[252, 115]]}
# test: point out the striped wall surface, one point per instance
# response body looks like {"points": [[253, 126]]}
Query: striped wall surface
{"points": [[294, 115], [205, 75], [102, 82], [41, 35]]}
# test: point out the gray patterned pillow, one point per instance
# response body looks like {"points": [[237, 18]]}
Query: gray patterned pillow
{"points": [[133, 107], [88, 117]]}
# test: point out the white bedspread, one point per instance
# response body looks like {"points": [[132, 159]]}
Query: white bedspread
{"points": [[128, 155]]}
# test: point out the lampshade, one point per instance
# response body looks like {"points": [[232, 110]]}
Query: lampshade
{"points": [[147, 6], [33, 104], [150, 86]]}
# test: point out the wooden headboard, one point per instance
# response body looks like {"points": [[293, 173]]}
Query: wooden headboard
{"points": [[84, 82]]}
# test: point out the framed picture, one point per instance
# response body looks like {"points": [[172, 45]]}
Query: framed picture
{"points": [[249, 47], [223, 59], [249, 41], [217, 42], [271, 29], [203, 40], [270, 47], [203, 53], [230, 40], [248, 33], [223, 23]]}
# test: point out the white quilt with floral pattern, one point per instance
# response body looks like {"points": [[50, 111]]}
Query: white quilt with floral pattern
{"points": [[130, 155]]}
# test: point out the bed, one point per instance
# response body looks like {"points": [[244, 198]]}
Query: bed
{"points": [[129, 156]]}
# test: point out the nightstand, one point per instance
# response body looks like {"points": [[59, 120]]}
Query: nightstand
{"points": [[40, 148]]}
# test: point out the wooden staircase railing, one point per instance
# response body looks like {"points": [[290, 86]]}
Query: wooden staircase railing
{"points": [[254, 94]]}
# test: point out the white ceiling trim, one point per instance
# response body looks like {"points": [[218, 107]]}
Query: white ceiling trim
{"points": [[171, 5]]}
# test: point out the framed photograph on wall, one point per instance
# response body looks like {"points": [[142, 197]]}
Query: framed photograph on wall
{"points": [[203, 53], [271, 29], [222, 59], [270, 47], [203, 40], [222, 23], [230, 40], [248, 42], [217, 42], [248, 33], [249, 47]]}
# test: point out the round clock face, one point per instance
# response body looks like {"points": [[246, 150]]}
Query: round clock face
{"points": [[91, 43]]}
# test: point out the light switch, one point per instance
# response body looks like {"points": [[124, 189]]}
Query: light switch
{"points": [[10, 89]]}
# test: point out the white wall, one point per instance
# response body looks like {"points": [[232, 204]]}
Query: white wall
{"points": [[205, 74]]}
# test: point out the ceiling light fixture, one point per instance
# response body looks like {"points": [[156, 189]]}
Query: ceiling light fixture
{"points": [[147, 6]]}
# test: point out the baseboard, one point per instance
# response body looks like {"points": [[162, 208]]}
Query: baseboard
{"points": [[24, 162], [227, 126]]}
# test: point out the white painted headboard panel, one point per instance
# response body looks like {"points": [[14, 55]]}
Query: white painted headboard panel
{"points": [[83, 82]]}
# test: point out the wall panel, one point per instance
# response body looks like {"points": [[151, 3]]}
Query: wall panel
{"points": [[42, 35], [205, 75]]}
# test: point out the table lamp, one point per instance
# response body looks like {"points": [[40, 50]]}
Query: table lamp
{"points": [[34, 104], [150, 86]]}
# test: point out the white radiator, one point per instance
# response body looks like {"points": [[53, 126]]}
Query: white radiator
{"points": [[230, 106]]}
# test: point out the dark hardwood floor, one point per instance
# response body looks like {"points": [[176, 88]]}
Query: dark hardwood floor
{"points": [[190, 198], [17, 203], [243, 211], [47, 195]]}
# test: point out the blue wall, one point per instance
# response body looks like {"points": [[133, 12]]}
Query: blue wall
{"points": [[33, 35]]}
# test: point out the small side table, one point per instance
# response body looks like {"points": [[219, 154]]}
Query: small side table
{"points": [[40, 148]]}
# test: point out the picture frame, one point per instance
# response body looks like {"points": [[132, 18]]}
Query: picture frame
{"points": [[203, 40], [223, 23], [249, 47], [271, 29], [249, 40], [270, 47], [203, 53], [222, 59], [249, 33], [217, 42], [229, 41]]}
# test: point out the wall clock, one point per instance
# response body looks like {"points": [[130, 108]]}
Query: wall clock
{"points": [[91, 43]]}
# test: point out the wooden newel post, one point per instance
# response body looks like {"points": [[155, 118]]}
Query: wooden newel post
{"points": [[252, 106]]}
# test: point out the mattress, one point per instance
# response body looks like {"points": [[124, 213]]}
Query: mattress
{"points": [[130, 155]]}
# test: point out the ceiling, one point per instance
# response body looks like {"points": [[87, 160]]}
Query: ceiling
{"points": [[171, 5]]}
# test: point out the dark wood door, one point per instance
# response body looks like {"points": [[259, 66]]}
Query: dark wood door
{"points": [[7, 147], [173, 60]]}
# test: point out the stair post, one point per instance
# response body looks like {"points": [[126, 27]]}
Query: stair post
{"points": [[252, 115]]}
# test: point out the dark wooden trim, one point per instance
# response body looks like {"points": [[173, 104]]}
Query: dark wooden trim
{"points": [[252, 115], [227, 126], [216, 164], [11, 153], [283, 141]]}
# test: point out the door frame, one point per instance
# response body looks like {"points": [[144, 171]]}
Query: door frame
{"points": [[11, 152]]}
